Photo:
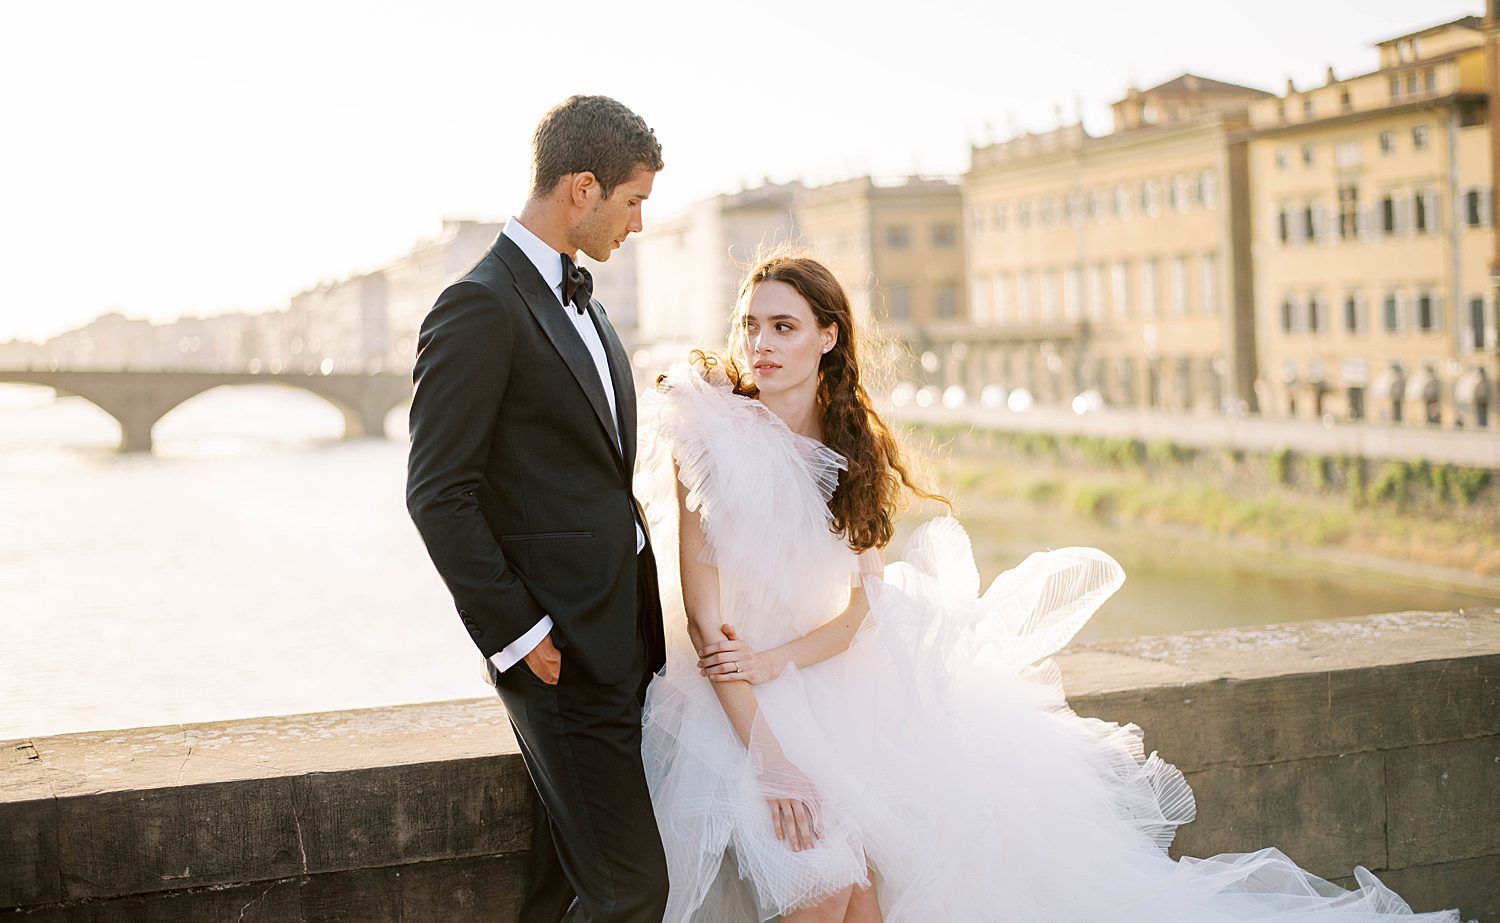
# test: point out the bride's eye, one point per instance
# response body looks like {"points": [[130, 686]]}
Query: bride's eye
{"points": [[783, 327]]}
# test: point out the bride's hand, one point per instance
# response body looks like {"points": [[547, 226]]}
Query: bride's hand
{"points": [[794, 823], [731, 661]]}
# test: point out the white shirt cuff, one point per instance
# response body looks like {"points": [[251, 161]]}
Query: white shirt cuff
{"points": [[640, 537], [517, 650]]}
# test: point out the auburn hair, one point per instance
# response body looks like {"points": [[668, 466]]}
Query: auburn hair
{"points": [[865, 503]]}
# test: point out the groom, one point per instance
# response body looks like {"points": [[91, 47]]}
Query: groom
{"points": [[522, 448]]}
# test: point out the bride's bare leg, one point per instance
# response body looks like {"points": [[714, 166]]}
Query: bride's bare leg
{"points": [[829, 911], [863, 907]]}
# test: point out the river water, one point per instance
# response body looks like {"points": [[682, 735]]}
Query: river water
{"points": [[256, 564]]}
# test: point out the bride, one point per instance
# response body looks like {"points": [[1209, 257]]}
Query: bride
{"points": [[835, 738]]}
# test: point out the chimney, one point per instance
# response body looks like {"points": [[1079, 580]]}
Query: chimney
{"points": [[1331, 78]]}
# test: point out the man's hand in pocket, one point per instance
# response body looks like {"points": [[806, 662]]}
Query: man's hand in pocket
{"points": [[545, 661]]}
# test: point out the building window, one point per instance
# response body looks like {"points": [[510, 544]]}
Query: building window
{"points": [[1119, 283], [947, 302], [1424, 210], [1387, 142], [1346, 154], [1476, 323], [1181, 192], [1208, 282], [1002, 304], [1283, 225], [898, 237], [1348, 211], [1308, 152], [1395, 88], [1354, 313], [1097, 292], [944, 236], [1391, 313], [1411, 84], [1282, 158], [1307, 107], [898, 302], [1208, 188], [1317, 311], [1179, 285], [1419, 137], [1073, 293], [1149, 302], [1122, 200], [1151, 197], [1345, 103], [999, 216], [979, 299], [1427, 320], [1430, 80], [1309, 223], [1388, 214], [1474, 208], [1288, 315], [1025, 303], [1049, 295]]}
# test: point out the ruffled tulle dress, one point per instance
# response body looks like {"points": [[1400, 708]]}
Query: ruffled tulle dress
{"points": [[938, 752]]}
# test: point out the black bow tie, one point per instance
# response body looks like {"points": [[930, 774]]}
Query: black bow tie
{"points": [[578, 285]]}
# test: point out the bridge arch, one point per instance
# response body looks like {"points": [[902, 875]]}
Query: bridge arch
{"points": [[137, 400]]}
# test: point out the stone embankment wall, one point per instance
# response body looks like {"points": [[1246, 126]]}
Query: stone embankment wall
{"points": [[1475, 448], [1370, 742]]}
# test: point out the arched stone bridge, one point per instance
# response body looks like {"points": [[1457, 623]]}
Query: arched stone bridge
{"points": [[138, 399]]}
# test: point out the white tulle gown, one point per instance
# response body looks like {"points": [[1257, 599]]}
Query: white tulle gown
{"points": [[938, 750]]}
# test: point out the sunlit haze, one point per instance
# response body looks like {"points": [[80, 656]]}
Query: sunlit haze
{"points": [[168, 158]]}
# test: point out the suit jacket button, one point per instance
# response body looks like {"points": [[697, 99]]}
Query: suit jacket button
{"points": [[475, 633]]}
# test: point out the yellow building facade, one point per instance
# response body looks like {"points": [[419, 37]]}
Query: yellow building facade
{"points": [[1372, 238], [1118, 264], [897, 248]]}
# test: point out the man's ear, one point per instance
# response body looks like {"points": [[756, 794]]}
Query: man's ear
{"points": [[581, 186]]}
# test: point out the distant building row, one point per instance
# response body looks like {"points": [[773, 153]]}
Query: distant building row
{"points": [[1224, 249]]}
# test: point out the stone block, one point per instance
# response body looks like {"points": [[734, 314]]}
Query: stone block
{"points": [[1471, 885], [131, 842], [1444, 802], [262, 902], [414, 813], [1302, 715], [1327, 814], [28, 853]]}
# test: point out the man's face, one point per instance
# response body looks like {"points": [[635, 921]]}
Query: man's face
{"points": [[608, 221]]}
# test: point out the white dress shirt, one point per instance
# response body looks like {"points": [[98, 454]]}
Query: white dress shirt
{"points": [[548, 262]]}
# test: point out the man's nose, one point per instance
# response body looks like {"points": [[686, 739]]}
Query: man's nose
{"points": [[634, 225]]}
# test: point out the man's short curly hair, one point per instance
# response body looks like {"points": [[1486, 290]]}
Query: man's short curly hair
{"points": [[593, 134]]}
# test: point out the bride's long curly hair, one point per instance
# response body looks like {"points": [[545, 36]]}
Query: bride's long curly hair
{"points": [[869, 494]]}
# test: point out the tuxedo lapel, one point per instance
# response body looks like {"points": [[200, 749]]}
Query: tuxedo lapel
{"points": [[548, 312], [624, 382]]}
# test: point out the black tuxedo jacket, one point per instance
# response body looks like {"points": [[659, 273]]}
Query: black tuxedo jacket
{"points": [[514, 479]]}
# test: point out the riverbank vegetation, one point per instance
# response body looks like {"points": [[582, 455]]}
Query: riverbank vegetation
{"points": [[1445, 516]]}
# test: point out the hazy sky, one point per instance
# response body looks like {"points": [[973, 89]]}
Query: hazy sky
{"points": [[163, 158]]}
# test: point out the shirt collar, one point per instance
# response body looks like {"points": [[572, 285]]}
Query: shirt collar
{"points": [[547, 261]]}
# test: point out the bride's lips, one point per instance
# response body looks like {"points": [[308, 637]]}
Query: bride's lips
{"points": [[765, 366]]}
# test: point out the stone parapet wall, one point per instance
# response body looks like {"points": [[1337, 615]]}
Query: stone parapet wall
{"points": [[1371, 742], [1473, 448]]}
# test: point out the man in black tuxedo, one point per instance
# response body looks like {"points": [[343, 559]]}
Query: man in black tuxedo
{"points": [[519, 480]]}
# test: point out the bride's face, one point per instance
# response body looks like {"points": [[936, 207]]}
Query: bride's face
{"points": [[783, 342]]}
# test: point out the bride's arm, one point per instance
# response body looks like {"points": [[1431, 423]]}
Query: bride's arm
{"points": [[718, 659], [700, 597], [791, 817]]}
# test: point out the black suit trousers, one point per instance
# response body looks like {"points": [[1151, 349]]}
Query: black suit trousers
{"points": [[596, 853]]}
